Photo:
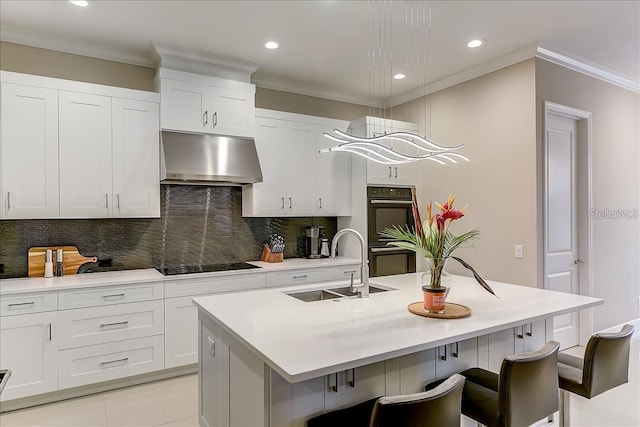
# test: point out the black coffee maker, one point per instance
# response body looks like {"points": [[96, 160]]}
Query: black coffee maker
{"points": [[312, 241]]}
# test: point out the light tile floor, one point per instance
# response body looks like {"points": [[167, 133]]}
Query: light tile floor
{"points": [[174, 403]]}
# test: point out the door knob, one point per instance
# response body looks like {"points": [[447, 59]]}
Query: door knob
{"points": [[577, 260]]}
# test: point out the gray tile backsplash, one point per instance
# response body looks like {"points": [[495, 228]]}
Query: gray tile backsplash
{"points": [[198, 226]]}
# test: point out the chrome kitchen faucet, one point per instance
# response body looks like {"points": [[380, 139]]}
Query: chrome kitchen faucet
{"points": [[362, 289]]}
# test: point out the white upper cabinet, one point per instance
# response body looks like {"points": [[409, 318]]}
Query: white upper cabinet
{"points": [[297, 180], [85, 155], [78, 150], [136, 156], [203, 104], [29, 152], [382, 174]]}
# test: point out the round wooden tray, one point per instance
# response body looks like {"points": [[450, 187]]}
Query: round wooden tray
{"points": [[451, 310]]}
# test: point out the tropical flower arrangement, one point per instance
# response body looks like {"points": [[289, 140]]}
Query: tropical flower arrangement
{"points": [[433, 240]]}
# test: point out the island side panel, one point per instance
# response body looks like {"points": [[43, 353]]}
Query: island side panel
{"points": [[213, 375]]}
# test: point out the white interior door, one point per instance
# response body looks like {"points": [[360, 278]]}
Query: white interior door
{"points": [[561, 233]]}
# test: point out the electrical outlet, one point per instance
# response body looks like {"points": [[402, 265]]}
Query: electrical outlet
{"points": [[519, 251]]}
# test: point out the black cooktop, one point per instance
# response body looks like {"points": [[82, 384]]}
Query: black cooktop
{"points": [[188, 269]]}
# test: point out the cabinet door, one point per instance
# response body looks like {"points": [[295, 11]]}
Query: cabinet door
{"points": [[29, 155], [136, 163], [456, 357], [416, 370], [28, 346], [233, 112], [500, 344], [184, 106], [85, 155], [299, 162], [267, 198], [364, 383], [213, 377], [530, 336], [181, 331], [333, 178]]}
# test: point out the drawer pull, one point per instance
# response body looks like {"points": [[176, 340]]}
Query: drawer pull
{"points": [[106, 325], [22, 304], [124, 359], [113, 296], [304, 276]]}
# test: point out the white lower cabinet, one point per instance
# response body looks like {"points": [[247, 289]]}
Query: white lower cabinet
{"points": [[28, 346], [98, 325], [103, 362], [213, 377], [180, 332]]}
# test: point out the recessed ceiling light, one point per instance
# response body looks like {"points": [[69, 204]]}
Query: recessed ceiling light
{"points": [[81, 3], [271, 45], [475, 43], [399, 76]]}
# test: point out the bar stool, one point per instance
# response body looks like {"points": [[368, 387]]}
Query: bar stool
{"points": [[605, 365], [525, 391], [437, 407]]}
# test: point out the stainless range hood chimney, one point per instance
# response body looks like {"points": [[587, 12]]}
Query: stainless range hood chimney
{"points": [[199, 159]]}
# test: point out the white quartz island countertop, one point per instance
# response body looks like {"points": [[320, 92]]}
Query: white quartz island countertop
{"points": [[303, 340]]}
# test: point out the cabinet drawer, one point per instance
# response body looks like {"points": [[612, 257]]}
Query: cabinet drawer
{"points": [[297, 277], [97, 325], [211, 285], [36, 302], [342, 272], [91, 297], [103, 362]]}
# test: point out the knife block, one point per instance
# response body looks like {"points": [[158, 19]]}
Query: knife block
{"points": [[268, 256]]}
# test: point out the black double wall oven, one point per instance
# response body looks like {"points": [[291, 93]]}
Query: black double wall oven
{"points": [[386, 207]]}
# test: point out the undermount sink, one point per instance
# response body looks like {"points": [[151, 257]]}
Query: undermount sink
{"points": [[331, 293]]}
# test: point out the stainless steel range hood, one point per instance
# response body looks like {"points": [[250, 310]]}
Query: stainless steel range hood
{"points": [[198, 159]]}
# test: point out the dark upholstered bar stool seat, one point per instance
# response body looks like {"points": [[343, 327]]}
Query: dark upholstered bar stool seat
{"points": [[437, 407], [525, 392], [605, 365]]}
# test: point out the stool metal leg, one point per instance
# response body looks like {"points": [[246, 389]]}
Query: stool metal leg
{"points": [[565, 410]]}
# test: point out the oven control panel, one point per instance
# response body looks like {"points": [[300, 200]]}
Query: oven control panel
{"points": [[399, 193]]}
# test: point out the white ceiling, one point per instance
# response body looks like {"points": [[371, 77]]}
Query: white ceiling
{"points": [[324, 44]]}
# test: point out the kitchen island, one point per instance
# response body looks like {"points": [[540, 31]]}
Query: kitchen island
{"points": [[267, 358]]}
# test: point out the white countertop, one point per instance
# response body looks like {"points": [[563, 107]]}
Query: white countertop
{"points": [[303, 340], [125, 277]]}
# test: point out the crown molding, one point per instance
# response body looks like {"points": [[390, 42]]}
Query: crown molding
{"points": [[194, 61], [589, 70], [314, 91]]}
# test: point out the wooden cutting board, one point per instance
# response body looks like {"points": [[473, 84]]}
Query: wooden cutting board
{"points": [[71, 258]]}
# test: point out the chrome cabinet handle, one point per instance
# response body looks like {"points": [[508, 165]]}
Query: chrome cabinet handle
{"points": [[50, 337], [530, 333], [396, 175], [390, 202], [389, 171], [352, 381], [304, 276], [205, 118], [124, 359], [118, 200], [577, 260], [113, 296], [320, 200], [290, 203], [443, 357], [215, 119], [282, 202], [106, 201], [455, 353], [334, 387], [105, 325], [8, 199], [18, 304], [521, 334], [212, 347]]}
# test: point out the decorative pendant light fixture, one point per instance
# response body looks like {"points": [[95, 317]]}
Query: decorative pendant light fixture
{"points": [[392, 148]]}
